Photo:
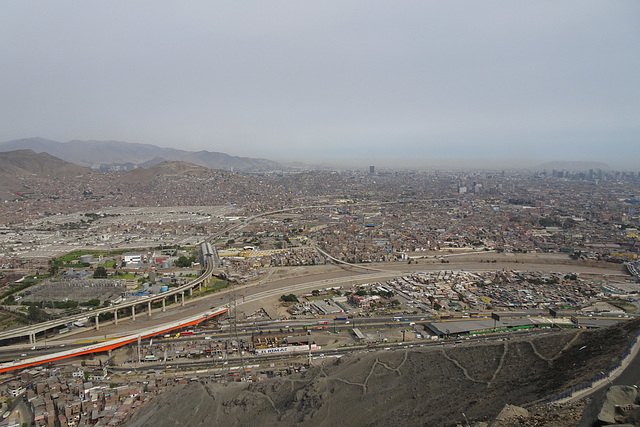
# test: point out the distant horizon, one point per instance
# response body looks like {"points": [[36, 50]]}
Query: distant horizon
{"points": [[408, 84], [390, 164], [483, 158]]}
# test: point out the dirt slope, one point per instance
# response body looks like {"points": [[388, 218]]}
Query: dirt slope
{"points": [[21, 167], [407, 387]]}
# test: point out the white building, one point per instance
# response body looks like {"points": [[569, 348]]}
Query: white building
{"points": [[132, 258]]}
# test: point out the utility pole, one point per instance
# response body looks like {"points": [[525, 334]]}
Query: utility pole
{"points": [[235, 329]]}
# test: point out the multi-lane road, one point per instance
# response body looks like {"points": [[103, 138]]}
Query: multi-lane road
{"points": [[330, 277]]}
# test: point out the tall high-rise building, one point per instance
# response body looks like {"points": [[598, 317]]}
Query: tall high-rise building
{"points": [[372, 169]]}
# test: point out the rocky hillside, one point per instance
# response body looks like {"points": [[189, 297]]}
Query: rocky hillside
{"points": [[41, 178], [424, 386], [21, 167], [96, 154]]}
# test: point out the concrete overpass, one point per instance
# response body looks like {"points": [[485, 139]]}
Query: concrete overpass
{"points": [[111, 344], [211, 262]]}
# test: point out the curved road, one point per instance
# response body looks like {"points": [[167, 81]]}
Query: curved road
{"points": [[328, 277]]}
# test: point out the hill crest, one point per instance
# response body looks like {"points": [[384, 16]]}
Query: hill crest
{"points": [[18, 167], [126, 155]]}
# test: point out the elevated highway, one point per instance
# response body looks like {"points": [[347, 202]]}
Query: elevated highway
{"points": [[32, 330], [112, 344], [212, 264]]}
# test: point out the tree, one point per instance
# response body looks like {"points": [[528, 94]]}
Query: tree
{"points": [[94, 302], [183, 261], [53, 267], [100, 273], [315, 292], [36, 314], [289, 298]]}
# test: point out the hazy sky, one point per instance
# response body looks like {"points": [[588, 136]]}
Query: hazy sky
{"points": [[378, 82]]}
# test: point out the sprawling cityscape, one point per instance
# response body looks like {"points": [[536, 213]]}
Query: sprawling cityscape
{"points": [[112, 294], [354, 213]]}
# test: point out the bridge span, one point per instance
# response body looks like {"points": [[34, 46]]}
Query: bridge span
{"points": [[211, 263], [112, 344]]}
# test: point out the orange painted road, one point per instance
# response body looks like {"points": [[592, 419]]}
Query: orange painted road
{"points": [[102, 347]]}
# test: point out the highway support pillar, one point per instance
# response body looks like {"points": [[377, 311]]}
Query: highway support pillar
{"points": [[190, 291], [115, 316], [149, 307], [199, 286], [133, 312], [97, 323], [163, 305], [182, 293], [175, 298], [32, 338]]}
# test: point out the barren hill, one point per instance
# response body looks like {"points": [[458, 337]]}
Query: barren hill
{"points": [[103, 153], [424, 386], [164, 169], [42, 178], [18, 168]]}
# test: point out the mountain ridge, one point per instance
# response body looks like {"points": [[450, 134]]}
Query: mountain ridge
{"points": [[27, 174], [20, 167], [126, 155]]}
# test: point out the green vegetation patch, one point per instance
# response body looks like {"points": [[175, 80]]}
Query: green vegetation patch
{"points": [[26, 283], [623, 305], [289, 298], [214, 286], [110, 264], [183, 261], [125, 276], [72, 256]]}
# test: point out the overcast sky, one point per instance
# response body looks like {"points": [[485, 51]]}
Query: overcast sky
{"points": [[374, 82]]}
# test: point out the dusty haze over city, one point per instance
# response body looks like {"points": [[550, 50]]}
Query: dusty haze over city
{"points": [[320, 213], [496, 84]]}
